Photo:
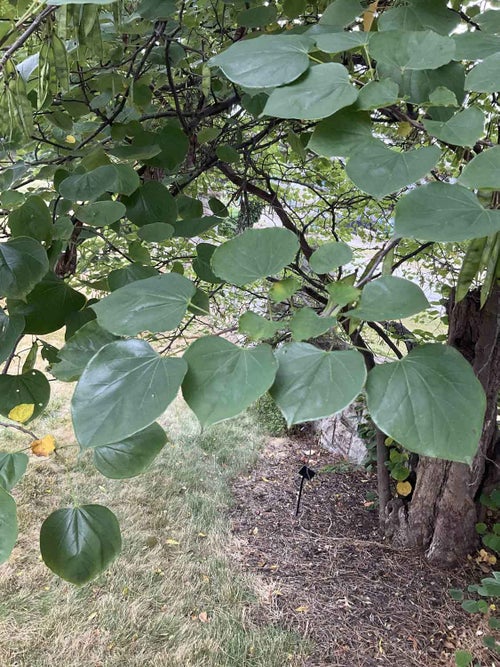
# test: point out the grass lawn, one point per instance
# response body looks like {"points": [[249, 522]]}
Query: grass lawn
{"points": [[176, 596]]}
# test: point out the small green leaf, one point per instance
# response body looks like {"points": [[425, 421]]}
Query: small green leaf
{"points": [[125, 387], [48, 305], [475, 45], [224, 379], [12, 468], [282, 290], [8, 524], [485, 77], [188, 207], [306, 324], [341, 293], [463, 658], [267, 61], [443, 97], [156, 232], [376, 94], [257, 327], [131, 456], [201, 263], [483, 172], [186, 229], [312, 384], [23, 263], [294, 8], [218, 208], [101, 213], [379, 171], [443, 212], [255, 17], [152, 202], [78, 351], [419, 15], [430, 401], [32, 219], [456, 594], [154, 304], [389, 298], [130, 273], [338, 42], [200, 303], [407, 50], [321, 91], [255, 254], [462, 129], [227, 153], [330, 256], [341, 134], [78, 543], [341, 12], [89, 185]]}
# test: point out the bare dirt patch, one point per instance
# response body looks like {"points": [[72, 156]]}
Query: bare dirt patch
{"points": [[327, 574]]}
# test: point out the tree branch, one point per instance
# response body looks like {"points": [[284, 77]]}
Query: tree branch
{"points": [[26, 34]]}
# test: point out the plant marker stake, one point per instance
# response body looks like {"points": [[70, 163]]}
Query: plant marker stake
{"points": [[305, 473]]}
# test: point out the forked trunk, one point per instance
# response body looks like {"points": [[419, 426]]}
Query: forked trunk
{"points": [[443, 512]]}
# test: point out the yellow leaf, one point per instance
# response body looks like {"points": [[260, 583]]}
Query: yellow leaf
{"points": [[403, 488], [171, 542], [21, 413], [404, 129], [369, 15], [202, 534], [302, 609], [70, 139], [43, 447]]}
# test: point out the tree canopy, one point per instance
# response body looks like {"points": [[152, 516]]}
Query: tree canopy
{"points": [[140, 144]]}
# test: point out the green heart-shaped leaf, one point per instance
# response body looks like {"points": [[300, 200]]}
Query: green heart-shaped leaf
{"points": [[430, 402], [389, 298], [125, 387], [311, 383], [78, 543], [255, 254], [224, 379], [267, 61], [23, 263], [379, 171], [131, 456], [154, 304], [330, 256], [323, 90], [443, 212]]}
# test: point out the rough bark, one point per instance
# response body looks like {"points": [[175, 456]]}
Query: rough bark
{"points": [[444, 509]]}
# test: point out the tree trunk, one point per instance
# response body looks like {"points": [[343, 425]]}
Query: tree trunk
{"points": [[442, 514]]}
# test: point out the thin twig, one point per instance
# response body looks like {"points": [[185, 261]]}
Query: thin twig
{"points": [[386, 339], [20, 428]]}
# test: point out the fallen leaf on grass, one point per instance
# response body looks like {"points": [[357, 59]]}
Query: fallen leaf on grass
{"points": [[302, 609], [171, 542], [43, 447], [203, 616]]}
